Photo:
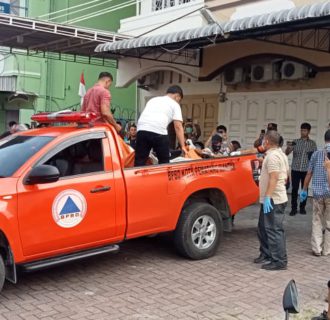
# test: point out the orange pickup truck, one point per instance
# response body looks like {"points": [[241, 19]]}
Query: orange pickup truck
{"points": [[65, 194]]}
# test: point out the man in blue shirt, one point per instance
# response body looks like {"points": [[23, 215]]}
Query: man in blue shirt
{"points": [[321, 203]]}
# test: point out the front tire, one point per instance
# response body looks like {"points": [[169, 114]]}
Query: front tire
{"points": [[198, 232]]}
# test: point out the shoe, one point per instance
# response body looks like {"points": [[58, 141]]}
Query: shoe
{"points": [[261, 259], [273, 266], [322, 316], [293, 212], [317, 254], [302, 211]]}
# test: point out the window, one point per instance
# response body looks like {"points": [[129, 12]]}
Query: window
{"points": [[16, 150], [14, 7], [163, 4], [80, 158]]}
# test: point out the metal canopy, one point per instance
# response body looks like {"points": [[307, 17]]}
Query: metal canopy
{"points": [[262, 27], [64, 42]]}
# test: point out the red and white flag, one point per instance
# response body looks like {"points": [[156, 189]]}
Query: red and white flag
{"points": [[82, 88]]}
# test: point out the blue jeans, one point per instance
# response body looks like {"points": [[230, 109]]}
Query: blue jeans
{"points": [[271, 234]]}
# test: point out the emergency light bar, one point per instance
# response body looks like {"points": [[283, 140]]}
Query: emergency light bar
{"points": [[64, 116]]}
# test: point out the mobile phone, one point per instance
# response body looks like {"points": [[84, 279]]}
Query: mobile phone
{"points": [[263, 131], [328, 154]]}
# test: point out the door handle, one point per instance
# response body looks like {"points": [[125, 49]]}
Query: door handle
{"points": [[100, 189]]}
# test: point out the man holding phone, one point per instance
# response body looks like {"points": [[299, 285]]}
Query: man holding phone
{"points": [[302, 149], [273, 200], [320, 240]]}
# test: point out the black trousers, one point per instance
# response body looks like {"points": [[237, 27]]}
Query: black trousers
{"points": [[145, 141], [297, 178], [271, 234]]}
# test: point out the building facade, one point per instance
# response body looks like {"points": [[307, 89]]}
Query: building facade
{"points": [[30, 84], [242, 84]]}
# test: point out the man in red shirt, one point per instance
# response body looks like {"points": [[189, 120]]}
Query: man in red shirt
{"points": [[97, 100]]}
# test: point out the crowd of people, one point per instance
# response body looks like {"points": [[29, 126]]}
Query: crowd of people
{"points": [[151, 134], [308, 164]]}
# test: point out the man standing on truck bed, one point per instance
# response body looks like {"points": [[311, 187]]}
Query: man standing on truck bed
{"points": [[152, 126], [273, 200], [97, 100]]}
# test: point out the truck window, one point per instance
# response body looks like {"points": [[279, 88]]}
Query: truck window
{"points": [[79, 158], [16, 150]]}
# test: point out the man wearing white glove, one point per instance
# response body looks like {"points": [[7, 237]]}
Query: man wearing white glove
{"points": [[317, 169], [273, 200]]}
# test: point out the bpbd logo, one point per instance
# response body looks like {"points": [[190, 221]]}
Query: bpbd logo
{"points": [[69, 208]]}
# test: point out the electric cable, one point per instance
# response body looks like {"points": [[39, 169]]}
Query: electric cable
{"points": [[167, 23], [176, 50], [83, 9], [66, 9], [102, 12]]}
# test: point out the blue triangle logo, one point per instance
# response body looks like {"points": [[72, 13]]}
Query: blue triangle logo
{"points": [[69, 207]]}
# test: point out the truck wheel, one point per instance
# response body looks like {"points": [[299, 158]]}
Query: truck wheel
{"points": [[2, 273], [198, 231]]}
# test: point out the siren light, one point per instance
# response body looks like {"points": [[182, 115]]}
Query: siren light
{"points": [[64, 116]]}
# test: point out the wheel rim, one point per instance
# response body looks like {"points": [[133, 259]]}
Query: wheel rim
{"points": [[203, 232]]}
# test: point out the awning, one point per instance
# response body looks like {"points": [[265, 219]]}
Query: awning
{"points": [[36, 37], [308, 16]]}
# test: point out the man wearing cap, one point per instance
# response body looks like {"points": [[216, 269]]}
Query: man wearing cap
{"points": [[152, 132], [221, 131]]}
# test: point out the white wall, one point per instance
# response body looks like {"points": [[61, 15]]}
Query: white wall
{"points": [[149, 20]]}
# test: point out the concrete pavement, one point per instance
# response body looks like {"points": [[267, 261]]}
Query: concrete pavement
{"points": [[147, 280]]}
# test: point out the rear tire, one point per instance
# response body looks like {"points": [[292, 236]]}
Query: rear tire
{"points": [[2, 273], [199, 231]]}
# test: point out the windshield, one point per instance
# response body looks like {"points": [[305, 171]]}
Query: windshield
{"points": [[16, 151]]}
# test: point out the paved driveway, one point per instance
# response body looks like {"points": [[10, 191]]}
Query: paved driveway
{"points": [[147, 280]]}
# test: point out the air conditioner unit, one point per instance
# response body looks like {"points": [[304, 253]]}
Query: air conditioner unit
{"points": [[150, 81], [262, 72], [292, 71], [233, 75]]}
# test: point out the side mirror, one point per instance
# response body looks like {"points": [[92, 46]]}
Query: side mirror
{"points": [[290, 299], [42, 174]]}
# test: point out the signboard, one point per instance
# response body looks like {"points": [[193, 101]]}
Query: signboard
{"points": [[4, 7]]}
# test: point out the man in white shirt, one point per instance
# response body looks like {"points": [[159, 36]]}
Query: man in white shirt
{"points": [[152, 126], [273, 199]]}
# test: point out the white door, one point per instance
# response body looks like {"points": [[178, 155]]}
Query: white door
{"points": [[246, 114]]}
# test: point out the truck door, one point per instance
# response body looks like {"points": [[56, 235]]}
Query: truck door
{"points": [[76, 211]]}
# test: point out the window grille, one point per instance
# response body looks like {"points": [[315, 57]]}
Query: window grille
{"points": [[164, 4]]}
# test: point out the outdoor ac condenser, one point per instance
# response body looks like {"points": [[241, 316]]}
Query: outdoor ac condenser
{"points": [[262, 72], [150, 81], [292, 71], [233, 75]]}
